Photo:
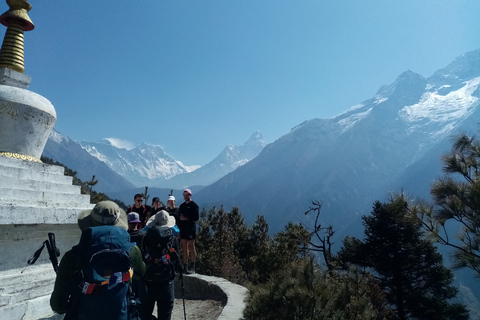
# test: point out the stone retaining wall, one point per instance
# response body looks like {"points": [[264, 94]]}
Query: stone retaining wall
{"points": [[232, 296]]}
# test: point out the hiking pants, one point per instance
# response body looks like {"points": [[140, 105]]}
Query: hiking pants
{"points": [[164, 296]]}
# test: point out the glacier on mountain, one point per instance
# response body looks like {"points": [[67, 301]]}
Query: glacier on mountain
{"points": [[188, 168], [97, 154], [379, 99], [438, 108], [351, 109], [350, 121]]}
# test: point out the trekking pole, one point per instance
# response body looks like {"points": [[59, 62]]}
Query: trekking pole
{"points": [[53, 252], [52, 249], [183, 295], [181, 282]]}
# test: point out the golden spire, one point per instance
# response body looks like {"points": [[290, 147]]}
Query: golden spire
{"points": [[17, 21]]}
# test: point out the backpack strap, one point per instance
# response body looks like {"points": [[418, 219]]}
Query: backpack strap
{"points": [[144, 209], [168, 251], [88, 288]]}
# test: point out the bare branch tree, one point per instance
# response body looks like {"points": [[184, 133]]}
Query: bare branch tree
{"points": [[322, 242]]}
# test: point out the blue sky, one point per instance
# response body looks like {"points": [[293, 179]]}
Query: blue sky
{"points": [[194, 76]]}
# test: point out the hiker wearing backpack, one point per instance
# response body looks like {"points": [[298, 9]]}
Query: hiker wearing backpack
{"points": [[160, 247], [93, 278]]}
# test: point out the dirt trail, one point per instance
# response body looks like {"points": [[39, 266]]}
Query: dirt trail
{"points": [[196, 309]]}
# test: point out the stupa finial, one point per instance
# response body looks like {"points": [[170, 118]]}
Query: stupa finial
{"points": [[17, 21]]}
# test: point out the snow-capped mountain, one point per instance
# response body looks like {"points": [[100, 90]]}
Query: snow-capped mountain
{"points": [[228, 160], [140, 165], [66, 151], [360, 155], [390, 142], [150, 165]]}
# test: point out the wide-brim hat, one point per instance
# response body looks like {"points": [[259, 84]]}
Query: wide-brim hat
{"points": [[133, 217], [162, 219], [105, 213]]}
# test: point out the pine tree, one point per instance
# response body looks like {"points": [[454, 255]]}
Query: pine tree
{"points": [[221, 237], [407, 266], [300, 290], [456, 207], [257, 257]]}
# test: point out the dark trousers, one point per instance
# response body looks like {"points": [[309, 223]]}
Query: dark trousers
{"points": [[164, 296]]}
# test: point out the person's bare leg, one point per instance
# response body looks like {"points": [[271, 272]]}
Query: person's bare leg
{"points": [[192, 250], [185, 252], [193, 253]]}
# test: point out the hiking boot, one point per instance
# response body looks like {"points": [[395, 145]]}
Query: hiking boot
{"points": [[185, 269], [192, 268]]}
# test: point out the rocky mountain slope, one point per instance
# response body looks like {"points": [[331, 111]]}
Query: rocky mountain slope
{"points": [[359, 156], [66, 151]]}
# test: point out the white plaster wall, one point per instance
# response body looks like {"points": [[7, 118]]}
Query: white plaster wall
{"points": [[26, 119], [35, 199]]}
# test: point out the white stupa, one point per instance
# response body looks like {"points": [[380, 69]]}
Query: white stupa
{"points": [[35, 198]]}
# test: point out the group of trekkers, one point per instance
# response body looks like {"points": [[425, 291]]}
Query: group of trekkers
{"points": [[185, 219], [126, 262]]}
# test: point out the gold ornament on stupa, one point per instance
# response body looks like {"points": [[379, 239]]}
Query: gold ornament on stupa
{"points": [[17, 21]]}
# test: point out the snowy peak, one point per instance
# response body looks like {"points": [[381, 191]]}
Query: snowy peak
{"points": [[255, 139], [148, 164], [58, 138], [231, 156], [464, 67], [438, 113], [66, 151], [252, 147], [142, 163], [429, 108], [403, 82], [440, 108], [389, 99], [234, 156], [227, 161]]}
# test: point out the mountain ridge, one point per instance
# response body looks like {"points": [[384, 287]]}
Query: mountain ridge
{"points": [[66, 151], [359, 152]]}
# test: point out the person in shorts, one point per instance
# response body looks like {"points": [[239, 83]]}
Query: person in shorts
{"points": [[188, 216]]}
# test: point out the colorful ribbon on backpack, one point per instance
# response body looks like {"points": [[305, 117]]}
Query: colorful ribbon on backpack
{"points": [[117, 277]]}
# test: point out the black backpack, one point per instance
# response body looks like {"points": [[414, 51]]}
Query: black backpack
{"points": [[159, 255], [101, 287]]}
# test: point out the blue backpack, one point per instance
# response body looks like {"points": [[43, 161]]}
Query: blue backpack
{"points": [[102, 288]]}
